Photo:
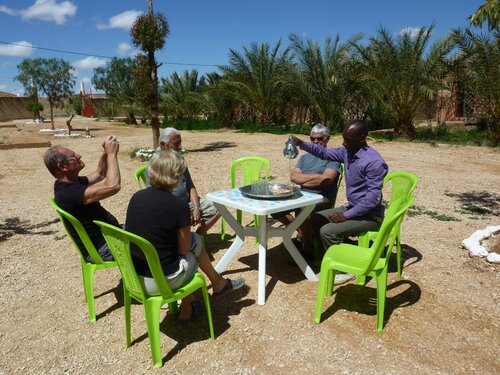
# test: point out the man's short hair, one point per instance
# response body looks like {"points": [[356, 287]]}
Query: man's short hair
{"points": [[165, 134], [52, 158], [166, 168], [320, 128], [360, 127]]}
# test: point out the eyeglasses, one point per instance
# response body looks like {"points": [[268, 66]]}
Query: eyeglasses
{"points": [[69, 158], [321, 139]]}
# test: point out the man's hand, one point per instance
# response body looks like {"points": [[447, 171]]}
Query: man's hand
{"points": [[337, 217], [195, 216], [111, 145], [297, 141]]}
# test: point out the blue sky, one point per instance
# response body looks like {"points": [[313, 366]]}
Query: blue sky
{"points": [[201, 31]]}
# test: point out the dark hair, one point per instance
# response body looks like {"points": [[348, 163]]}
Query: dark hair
{"points": [[360, 127], [52, 158]]}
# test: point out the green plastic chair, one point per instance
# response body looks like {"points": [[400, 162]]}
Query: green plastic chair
{"points": [[119, 243], [251, 168], [363, 261], [88, 268], [402, 184], [140, 176]]}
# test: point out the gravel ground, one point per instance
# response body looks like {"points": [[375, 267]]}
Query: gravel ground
{"points": [[442, 315]]}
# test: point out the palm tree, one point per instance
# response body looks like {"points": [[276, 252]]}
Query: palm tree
{"points": [[402, 72], [480, 74], [182, 96], [260, 78], [221, 99], [328, 79]]}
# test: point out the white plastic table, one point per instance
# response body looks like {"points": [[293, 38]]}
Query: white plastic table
{"points": [[263, 207]]}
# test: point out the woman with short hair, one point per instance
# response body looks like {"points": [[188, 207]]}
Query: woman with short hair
{"points": [[164, 220]]}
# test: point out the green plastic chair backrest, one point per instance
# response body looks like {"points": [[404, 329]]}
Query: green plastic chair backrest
{"points": [[140, 176], [395, 212], [402, 184], [119, 241], [251, 169], [69, 220]]}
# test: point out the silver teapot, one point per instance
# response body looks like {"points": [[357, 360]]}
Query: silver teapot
{"points": [[290, 151]]}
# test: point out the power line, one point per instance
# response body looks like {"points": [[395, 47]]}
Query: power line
{"points": [[94, 55]]}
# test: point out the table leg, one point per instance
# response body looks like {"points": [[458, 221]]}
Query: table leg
{"points": [[262, 233], [292, 249], [238, 241]]}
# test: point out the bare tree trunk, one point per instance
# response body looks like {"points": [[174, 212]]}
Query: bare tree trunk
{"points": [[155, 121], [51, 105], [68, 124]]}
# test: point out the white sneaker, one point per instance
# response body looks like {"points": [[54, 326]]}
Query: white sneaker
{"points": [[341, 278]]}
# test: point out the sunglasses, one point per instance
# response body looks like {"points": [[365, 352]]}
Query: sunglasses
{"points": [[321, 139]]}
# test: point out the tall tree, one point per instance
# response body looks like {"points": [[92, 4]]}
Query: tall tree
{"points": [[488, 12], [182, 95], [117, 80], [479, 59], [403, 72], [148, 34], [53, 77], [328, 79], [261, 78]]}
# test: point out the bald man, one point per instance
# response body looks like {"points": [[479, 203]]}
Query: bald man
{"points": [[364, 171]]}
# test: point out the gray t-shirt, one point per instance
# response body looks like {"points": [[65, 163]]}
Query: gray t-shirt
{"points": [[312, 164]]}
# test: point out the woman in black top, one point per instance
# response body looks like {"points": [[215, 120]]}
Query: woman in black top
{"points": [[157, 215]]}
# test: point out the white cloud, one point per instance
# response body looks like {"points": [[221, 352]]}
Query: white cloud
{"points": [[123, 49], [21, 48], [412, 31], [9, 11], [89, 63], [49, 10], [120, 21]]}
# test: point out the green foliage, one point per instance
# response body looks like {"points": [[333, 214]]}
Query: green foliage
{"points": [[416, 211], [488, 12], [260, 78], [34, 107], [479, 59], [403, 72], [149, 32], [328, 77], [75, 104], [53, 77]]}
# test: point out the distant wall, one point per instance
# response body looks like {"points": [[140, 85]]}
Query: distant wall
{"points": [[14, 108]]}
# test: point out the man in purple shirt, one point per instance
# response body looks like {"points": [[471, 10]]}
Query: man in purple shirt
{"points": [[364, 171]]}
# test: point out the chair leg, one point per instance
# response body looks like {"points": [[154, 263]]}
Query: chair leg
{"points": [[223, 229], [331, 280], [361, 280], [381, 290], [206, 299], [398, 254], [88, 287], [322, 286], [127, 302], [152, 310], [173, 309]]}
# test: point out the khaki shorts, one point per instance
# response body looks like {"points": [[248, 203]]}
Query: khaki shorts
{"points": [[188, 265], [207, 208]]}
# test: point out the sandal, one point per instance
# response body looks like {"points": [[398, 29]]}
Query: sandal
{"points": [[197, 310], [231, 285]]}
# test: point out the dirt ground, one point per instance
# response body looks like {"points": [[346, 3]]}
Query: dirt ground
{"points": [[441, 316]]}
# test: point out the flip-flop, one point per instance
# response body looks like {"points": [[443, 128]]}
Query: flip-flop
{"points": [[231, 286]]}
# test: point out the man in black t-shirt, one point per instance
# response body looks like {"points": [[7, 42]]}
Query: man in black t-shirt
{"points": [[80, 195]]}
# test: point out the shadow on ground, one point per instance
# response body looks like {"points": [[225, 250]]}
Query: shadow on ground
{"points": [[478, 202], [363, 299], [214, 146], [15, 225]]}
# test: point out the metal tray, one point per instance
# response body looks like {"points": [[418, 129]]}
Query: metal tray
{"points": [[249, 191]]}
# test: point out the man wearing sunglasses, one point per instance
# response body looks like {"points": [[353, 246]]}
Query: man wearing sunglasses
{"points": [[318, 176], [364, 171], [80, 195]]}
